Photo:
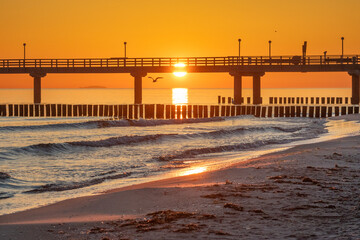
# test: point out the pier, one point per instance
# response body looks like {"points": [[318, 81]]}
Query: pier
{"points": [[237, 67]]}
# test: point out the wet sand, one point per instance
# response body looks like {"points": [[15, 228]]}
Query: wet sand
{"points": [[307, 192]]}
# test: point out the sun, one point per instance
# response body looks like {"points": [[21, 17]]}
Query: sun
{"points": [[178, 73]]}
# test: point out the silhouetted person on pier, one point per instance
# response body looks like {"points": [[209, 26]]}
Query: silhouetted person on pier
{"points": [[155, 80]]}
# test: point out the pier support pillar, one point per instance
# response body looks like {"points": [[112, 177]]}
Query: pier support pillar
{"points": [[37, 85], [237, 88], [257, 88], [355, 87], [138, 86]]}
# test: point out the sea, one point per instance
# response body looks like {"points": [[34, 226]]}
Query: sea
{"points": [[44, 160]]}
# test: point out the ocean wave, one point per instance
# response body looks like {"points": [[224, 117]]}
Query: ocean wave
{"points": [[54, 126], [53, 187], [296, 134], [106, 123], [50, 148], [191, 153], [4, 195], [115, 141]]}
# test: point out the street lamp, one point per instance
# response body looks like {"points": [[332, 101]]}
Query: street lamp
{"points": [[239, 46], [24, 44], [125, 48], [342, 46], [269, 48]]}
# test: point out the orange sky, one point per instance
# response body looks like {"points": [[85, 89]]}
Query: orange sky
{"points": [[163, 28]]}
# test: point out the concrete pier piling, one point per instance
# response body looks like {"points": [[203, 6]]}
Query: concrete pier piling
{"points": [[37, 85], [355, 88]]}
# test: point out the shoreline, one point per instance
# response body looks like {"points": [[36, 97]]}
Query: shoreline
{"points": [[207, 193]]}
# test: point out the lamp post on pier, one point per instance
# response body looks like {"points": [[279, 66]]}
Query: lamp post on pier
{"points": [[342, 47], [24, 44], [239, 40], [269, 48], [125, 49]]}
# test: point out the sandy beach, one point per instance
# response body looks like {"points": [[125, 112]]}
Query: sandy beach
{"points": [[306, 192]]}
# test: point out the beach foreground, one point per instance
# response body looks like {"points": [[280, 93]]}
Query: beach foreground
{"points": [[307, 192]]}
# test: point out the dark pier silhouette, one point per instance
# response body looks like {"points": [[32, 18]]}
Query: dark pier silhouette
{"points": [[237, 67]]}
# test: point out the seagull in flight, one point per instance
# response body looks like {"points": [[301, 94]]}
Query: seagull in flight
{"points": [[155, 80]]}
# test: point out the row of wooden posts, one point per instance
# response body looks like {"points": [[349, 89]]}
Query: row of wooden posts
{"points": [[293, 100], [308, 100], [161, 111]]}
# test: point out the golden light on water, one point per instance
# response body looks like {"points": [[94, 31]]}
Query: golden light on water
{"points": [[182, 73], [194, 170], [180, 96]]}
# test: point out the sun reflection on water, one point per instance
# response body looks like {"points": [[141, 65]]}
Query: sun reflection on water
{"points": [[180, 96], [193, 170]]}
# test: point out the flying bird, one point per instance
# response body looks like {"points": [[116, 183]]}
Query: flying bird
{"points": [[155, 80]]}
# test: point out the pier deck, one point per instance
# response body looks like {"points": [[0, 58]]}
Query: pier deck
{"points": [[238, 67]]}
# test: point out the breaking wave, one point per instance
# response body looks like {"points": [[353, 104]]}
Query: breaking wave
{"points": [[106, 123], [49, 148], [53, 187]]}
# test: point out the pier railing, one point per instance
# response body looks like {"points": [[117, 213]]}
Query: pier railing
{"points": [[187, 61]]}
